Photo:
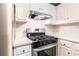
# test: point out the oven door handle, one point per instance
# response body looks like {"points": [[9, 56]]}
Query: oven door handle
{"points": [[45, 47]]}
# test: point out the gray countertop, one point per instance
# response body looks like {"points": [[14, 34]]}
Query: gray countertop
{"points": [[74, 39], [26, 41], [21, 41]]}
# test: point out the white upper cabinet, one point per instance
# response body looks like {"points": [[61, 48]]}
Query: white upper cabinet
{"points": [[21, 11], [73, 11], [47, 9], [40, 7], [62, 12], [68, 13], [34, 6], [52, 11]]}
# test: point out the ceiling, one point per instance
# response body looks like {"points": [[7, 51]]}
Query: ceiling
{"points": [[55, 4]]}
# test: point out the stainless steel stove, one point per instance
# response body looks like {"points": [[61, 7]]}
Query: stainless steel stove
{"points": [[40, 39]]}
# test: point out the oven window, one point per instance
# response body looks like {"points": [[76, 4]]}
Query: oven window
{"points": [[48, 52]]}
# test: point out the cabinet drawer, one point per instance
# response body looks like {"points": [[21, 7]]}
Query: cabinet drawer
{"points": [[25, 54], [66, 43], [75, 49], [22, 49], [76, 53], [66, 51], [76, 46]]}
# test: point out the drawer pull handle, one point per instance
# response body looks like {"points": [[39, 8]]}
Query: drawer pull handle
{"points": [[64, 44], [68, 52], [23, 51]]}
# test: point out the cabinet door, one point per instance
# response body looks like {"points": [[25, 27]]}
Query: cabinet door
{"points": [[68, 11], [75, 48], [22, 11], [40, 7], [22, 50], [36, 7], [62, 11], [76, 53], [52, 11], [65, 51], [73, 11], [25, 54], [44, 7]]}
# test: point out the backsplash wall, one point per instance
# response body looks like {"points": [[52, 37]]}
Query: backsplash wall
{"points": [[21, 30], [69, 31], [51, 30], [35, 23]]}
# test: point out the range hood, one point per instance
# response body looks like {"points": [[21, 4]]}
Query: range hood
{"points": [[38, 15], [55, 4]]}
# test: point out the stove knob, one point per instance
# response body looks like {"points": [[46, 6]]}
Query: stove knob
{"points": [[23, 51], [44, 43], [40, 44]]}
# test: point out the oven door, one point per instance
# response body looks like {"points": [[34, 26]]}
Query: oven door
{"points": [[47, 50]]}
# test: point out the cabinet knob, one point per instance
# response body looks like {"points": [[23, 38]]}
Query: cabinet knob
{"points": [[64, 44], [44, 43], [23, 51], [68, 52]]}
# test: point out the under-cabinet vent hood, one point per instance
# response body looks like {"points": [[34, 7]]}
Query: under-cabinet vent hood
{"points": [[39, 16]]}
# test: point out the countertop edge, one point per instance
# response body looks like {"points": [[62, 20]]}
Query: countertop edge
{"points": [[61, 38]]}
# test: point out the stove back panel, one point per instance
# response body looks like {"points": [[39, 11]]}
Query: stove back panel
{"points": [[34, 34]]}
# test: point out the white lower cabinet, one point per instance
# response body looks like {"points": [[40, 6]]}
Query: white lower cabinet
{"points": [[25, 54], [76, 53], [76, 49], [23, 50], [66, 51], [67, 48]]}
